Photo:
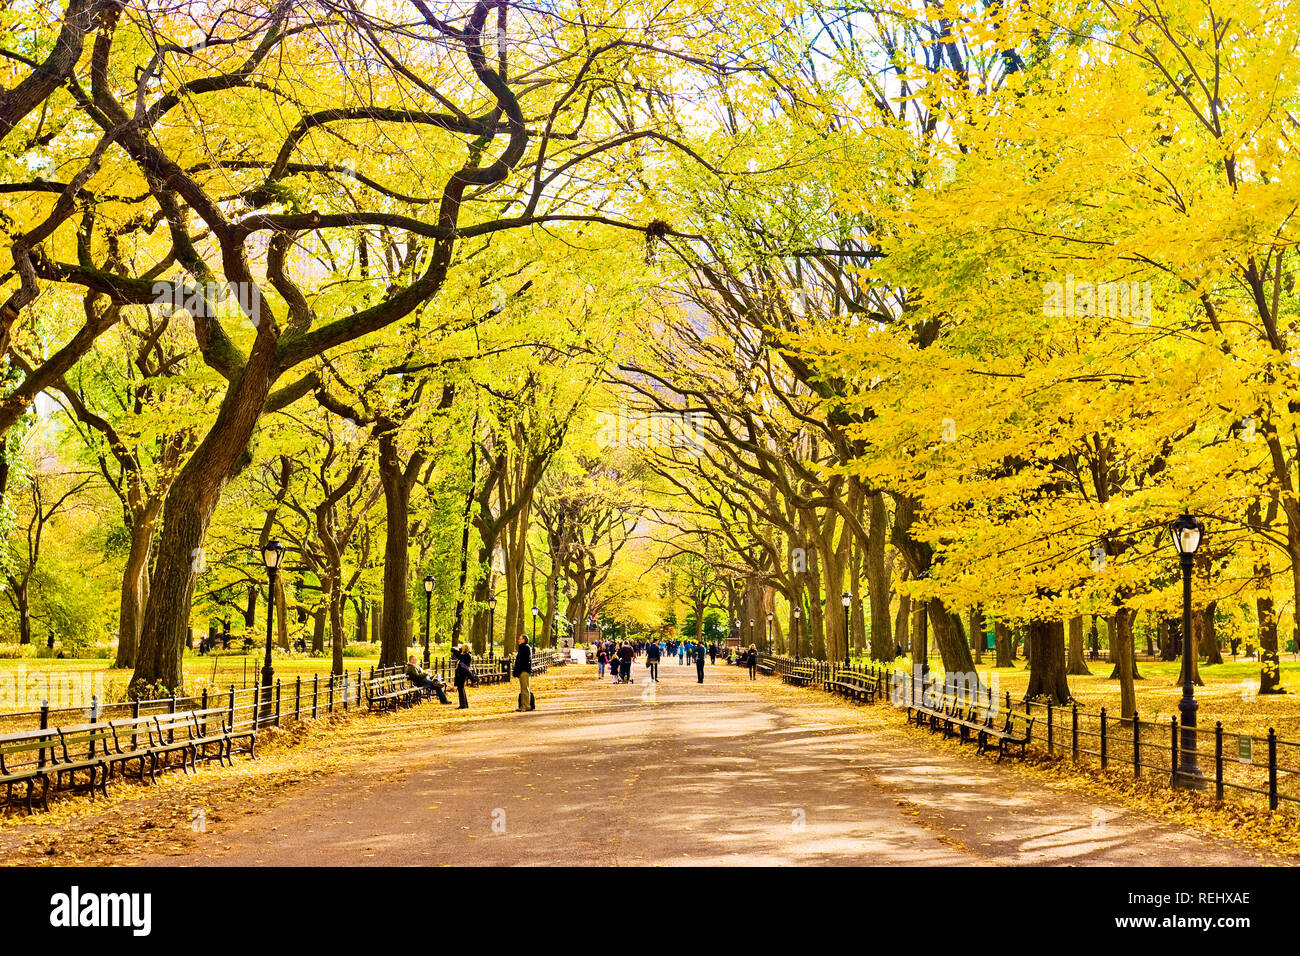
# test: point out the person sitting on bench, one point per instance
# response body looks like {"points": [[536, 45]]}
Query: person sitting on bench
{"points": [[416, 675]]}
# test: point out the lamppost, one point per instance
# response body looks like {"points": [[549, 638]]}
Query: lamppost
{"points": [[751, 632], [797, 614], [1186, 532], [846, 599], [428, 598], [492, 625], [272, 554], [769, 631], [536, 615]]}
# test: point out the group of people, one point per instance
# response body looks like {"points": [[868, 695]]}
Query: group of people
{"points": [[462, 658], [618, 657]]}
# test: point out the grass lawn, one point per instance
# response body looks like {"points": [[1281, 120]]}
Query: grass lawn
{"points": [[218, 670]]}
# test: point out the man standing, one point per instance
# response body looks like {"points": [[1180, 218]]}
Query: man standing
{"points": [[524, 671], [700, 654], [652, 660]]}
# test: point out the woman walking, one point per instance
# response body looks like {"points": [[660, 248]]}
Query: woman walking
{"points": [[464, 674], [753, 662]]}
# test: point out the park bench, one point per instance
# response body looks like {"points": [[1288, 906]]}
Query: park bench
{"points": [[83, 747], [964, 720], [767, 667], [799, 677], [22, 761], [1015, 731], [388, 692], [852, 686]]}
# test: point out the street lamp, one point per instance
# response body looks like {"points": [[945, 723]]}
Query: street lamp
{"points": [[272, 555], [751, 631], [797, 614], [846, 599], [428, 597], [492, 625], [769, 631], [1186, 532], [536, 616]]}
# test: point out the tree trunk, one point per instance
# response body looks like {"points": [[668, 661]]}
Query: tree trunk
{"points": [[1077, 664], [396, 634], [1121, 649], [1045, 643], [135, 592], [1207, 639], [977, 633], [1270, 668], [281, 614], [949, 638], [901, 626], [1004, 647], [318, 629], [24, 614], [878, 585]]}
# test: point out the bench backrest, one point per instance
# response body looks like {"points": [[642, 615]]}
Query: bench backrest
{"points": [[25, 750], [131, 733], [84, 741]]}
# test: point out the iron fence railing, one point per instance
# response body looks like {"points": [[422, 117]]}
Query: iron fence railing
{"points": [[1235, 765]]}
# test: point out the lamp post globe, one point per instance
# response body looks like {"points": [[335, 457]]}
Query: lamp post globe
{"points": [[537, 614], [770, 618], [492, 626], [428, 598], [846, 599], [1186, 532], [797, 632], [272, 556]]}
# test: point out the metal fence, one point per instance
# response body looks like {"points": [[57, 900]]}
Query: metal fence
{"points": [[1235, 765]]}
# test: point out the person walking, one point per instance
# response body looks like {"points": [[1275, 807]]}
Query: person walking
{"points": [[700, 654], [464, 674], [625, 655], [681, 654], [602, 655], [523, 670], [652, 660], [713, 652], [753, 662]]}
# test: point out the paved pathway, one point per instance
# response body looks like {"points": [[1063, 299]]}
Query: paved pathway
{"points": [[720, 773]]}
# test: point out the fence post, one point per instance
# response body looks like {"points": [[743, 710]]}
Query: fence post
{"points": [[171, 725], [1137, 745], [257, 707], [1074, 732], [1218, 760], [1049, 723], [135, 714], [297, 698], [1272, 769], [1103, 738], [358, 687], [94, 719], [1173, 751], [203, 706], [277, 701], [344, 690], [315, 691], [331, 693], [232, 707], [45, 725]]}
